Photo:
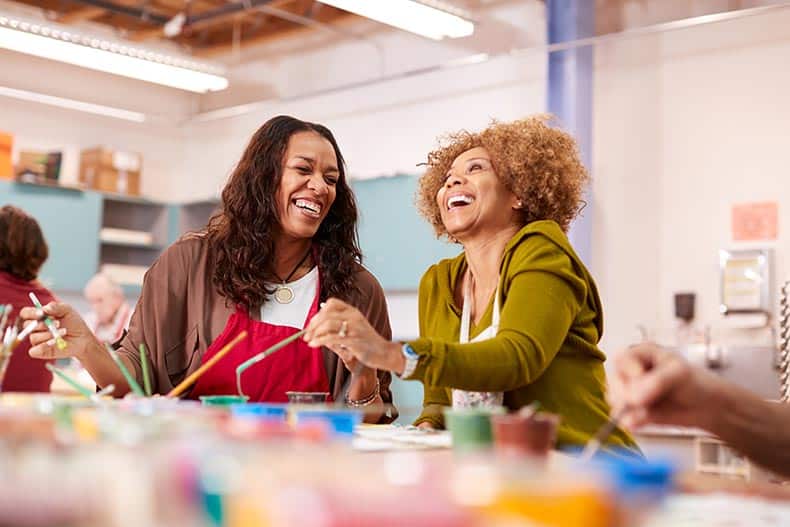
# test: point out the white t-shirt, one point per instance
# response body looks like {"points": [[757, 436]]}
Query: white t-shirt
{"points": [[294, 314]]}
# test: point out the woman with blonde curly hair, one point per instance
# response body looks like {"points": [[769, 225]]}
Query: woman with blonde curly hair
{"points": [[516, 317]]}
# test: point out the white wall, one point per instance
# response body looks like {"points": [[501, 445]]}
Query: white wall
{"points": [[385, 128], [686, 124], [626, 172], [36, 126]]}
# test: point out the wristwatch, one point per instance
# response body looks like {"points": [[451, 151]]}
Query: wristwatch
{"points": [[411, 360]]}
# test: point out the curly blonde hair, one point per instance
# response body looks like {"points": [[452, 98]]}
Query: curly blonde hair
{"points": [[539, 163]]}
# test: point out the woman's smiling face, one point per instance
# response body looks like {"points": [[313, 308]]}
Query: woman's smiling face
{"points": [[308, 184], [473, 200]]}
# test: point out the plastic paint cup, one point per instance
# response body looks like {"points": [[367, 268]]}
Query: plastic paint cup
{"points": [[267, 411], [341, 422], [470, 428], [520, 436]]}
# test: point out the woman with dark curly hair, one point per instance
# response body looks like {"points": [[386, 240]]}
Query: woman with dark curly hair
{"points": [[23, 250], [516, 317], [284, 241]]}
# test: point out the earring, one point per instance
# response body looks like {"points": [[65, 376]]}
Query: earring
{"points": [[519, 204]]}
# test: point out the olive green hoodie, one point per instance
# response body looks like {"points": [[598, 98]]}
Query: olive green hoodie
{"points": [[546, 348]]}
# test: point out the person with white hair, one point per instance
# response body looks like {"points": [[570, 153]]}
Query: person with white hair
{"points": [[111, 312]]}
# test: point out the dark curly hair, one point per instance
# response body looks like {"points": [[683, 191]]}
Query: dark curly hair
{"points": [[23, 249], [241, 234], [539, 163]]}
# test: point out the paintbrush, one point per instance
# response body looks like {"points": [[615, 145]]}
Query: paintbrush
{"points": [[186, 383], [144, 363], [130, 380], [262, 355], [527, 412], [594, 444], [107, 390], [71, 382], [13, 332], [5, 310], [60, 343], [6, 350], [27, 330]]}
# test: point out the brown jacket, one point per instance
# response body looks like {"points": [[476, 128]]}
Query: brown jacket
{"points": [[180, 313]]}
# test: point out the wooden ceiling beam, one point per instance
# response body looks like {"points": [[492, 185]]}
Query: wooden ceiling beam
{"points": [[80, 14], [268, 36], [227, 47], [221, 19], [148, 34]]}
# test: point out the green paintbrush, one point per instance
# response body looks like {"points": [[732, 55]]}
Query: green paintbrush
{"points": [[128, 376], [71, 382], [144, 361]]}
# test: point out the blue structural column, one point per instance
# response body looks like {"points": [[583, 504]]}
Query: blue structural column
{"points": [[570, 93]]}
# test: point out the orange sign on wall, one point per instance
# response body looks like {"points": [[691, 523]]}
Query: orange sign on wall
{"points": [[755, 221]]}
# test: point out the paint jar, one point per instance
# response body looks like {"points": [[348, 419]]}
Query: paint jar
{"points": [[517, 436], [86, 425], [342, 422], [307, 397], [267, 411], [470, 428], [639, 485], [555, 501]]}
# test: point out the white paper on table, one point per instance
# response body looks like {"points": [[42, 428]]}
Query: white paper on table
{"points": [[393, 437], [720, 510]]}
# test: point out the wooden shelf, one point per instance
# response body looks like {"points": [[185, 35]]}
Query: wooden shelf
{"points": [[133, 245], [132, 234], [125, 198], [46, 183]]}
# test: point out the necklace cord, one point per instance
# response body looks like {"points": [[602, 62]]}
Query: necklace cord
{"points": [[294, 269]]}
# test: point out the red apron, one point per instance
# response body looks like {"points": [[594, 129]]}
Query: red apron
{"points": [[297, 367]]}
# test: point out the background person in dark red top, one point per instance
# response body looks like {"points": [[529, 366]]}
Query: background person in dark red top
{"points": [[23, 251]]}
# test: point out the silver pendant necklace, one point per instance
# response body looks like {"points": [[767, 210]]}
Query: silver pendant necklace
{"points": [[283, 294]]}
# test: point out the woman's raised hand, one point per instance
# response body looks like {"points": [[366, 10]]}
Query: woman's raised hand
{"points": [[343, 329]]}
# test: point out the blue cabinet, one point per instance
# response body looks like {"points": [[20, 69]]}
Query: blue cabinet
{"points": [[70, 220], [398, 245]]}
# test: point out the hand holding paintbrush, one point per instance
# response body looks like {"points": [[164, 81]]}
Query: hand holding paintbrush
{"points": [[80, 343], [651, 384], [50, 325], [657, 385], [66, 323]]}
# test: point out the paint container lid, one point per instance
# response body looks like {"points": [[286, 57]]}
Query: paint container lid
{"points": [[223, 400]]}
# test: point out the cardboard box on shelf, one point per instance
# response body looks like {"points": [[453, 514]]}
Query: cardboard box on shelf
{"points": [[111, 170], [42, 165], [6, 168]]}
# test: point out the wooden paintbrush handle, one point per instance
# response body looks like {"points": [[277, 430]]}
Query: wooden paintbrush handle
{"points": [[186, 383]]}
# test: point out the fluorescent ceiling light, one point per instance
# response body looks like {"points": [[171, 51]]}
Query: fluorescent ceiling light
{"points": [[110, 57], [428, 18], [71, 104]]}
